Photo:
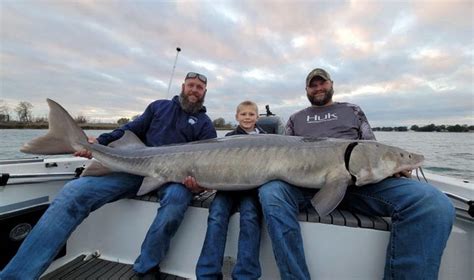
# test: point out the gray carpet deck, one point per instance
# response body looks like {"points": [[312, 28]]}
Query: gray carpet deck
{"points": [[98, 269]]}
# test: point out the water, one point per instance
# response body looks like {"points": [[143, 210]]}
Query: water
{"points": [[449, 154], [12, 139]]}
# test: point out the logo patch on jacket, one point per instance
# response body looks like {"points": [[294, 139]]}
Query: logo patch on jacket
{"points": [[192, 120]]}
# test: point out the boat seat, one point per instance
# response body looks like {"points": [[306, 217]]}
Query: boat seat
{"points": [[337, 217]]}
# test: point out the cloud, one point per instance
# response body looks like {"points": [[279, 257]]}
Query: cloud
{"points": [[402, 62]]}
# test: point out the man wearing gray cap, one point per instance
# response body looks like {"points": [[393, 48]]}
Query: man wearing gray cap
{"points": [[414, 207]]}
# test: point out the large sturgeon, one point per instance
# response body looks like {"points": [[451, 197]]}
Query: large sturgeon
{"points": [[237, 163]]}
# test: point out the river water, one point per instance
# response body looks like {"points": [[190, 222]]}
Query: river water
{"points": [[449, 154]]}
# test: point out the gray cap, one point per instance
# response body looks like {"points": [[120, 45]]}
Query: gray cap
{"points": [[317, 72]]}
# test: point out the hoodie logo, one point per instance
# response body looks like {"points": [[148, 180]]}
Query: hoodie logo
{"points": [[192, 120], [324, 118]]}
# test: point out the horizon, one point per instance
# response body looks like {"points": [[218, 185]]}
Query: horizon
{"points": [[87, 121], [403, 63]]}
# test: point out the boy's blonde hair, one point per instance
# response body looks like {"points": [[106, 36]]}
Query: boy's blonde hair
{"points": [[247, 103]]}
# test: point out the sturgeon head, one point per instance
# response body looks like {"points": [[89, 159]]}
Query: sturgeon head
{"points": [[371, 161]]}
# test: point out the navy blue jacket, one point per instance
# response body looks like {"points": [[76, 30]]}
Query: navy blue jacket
{"points": [[239, 130], [164, 122]]}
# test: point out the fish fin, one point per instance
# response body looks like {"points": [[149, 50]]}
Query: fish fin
{"points": [[128, 141], [150, 184], [95, 168], [328, 197], [64, 136]]}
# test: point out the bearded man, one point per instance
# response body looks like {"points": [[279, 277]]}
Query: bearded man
{"points": [[415, 207], [182, 119]]}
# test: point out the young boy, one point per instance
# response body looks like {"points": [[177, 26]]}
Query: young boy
{"points": [[210, 261]]}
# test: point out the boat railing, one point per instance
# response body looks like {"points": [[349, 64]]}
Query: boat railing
{"points": [[20, 160], [6, 177], [462, 212]]}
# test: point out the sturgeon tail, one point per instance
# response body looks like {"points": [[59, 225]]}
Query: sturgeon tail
{"points": [[64, 135]]}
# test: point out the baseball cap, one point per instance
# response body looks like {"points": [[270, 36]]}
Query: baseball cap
{"points": [[317, 72]]}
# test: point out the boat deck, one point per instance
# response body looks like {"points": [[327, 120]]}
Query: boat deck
{"points": [[96, 268]]}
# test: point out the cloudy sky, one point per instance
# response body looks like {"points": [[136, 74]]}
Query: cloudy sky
{"points": [[403, 62]]}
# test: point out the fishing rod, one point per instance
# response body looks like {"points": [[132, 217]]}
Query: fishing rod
{"points": [[178, 49]]}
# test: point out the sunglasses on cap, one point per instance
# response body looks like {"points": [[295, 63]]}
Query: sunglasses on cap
{"points": [[192, 75]]}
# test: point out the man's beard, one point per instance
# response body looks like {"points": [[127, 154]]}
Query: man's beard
{"points": [[321, 102], [188, 107]]}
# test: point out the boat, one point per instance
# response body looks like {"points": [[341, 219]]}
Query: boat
{"points": [[342, 245]]}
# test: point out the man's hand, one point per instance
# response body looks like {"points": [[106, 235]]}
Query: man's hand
{"points": [[191, 183], [86, 153], [405, 173]]}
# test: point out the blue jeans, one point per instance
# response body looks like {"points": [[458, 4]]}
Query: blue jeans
{"points": [[74, 203], [209, 265], [422, 218]]}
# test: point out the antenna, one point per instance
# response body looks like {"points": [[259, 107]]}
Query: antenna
{"points": [[178, 49]]}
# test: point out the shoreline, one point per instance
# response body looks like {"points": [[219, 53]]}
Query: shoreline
{"points": [[88, 126], [101, 126]]}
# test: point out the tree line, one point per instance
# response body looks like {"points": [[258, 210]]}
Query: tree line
{"points": [[429, 128], [24, 112], [25, 119]]}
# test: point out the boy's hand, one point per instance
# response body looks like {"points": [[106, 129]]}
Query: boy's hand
{"points": [[86, 153], [191, 183]]}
